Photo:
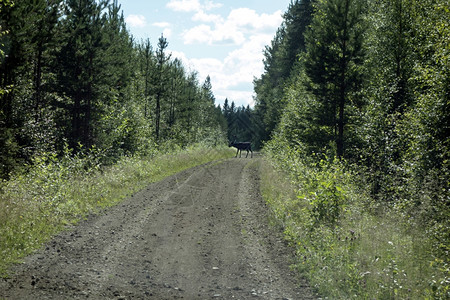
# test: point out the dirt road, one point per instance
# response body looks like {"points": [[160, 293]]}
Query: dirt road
{"points": [[199, 234]]}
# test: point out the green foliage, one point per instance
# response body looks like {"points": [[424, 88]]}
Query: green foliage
{"points": [[8, 154], [333, 62], [347, 245], [58, 191], [240, 124], [3, 4], [279, 63], [84, 112], [320, 183], [300, 123], [71, 73], [378, 70]]}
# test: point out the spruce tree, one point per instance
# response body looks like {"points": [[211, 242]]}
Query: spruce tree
{"points": [[280, 59], [147, 65], [333, 61], [161, 60], [27, 34], [79, 67]]}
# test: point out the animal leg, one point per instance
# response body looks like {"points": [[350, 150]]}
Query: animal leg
{"points": [[237, 152]]}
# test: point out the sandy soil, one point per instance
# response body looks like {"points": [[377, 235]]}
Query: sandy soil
{"points": [[200, 234]]}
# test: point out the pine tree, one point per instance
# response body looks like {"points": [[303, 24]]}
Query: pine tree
{"points": [[161, 60], [177, 77], [333, 60], [280, 59], [43, 40], [147, 64], [79, 64], [27, 34], [115, 54], [114, 123], [207, 88], [207, 105], [297, 19]]}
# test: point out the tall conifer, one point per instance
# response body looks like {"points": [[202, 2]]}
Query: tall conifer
{"points": [[333, 60]]}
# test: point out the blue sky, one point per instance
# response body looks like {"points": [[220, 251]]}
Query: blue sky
{"points": [[220, 38]]}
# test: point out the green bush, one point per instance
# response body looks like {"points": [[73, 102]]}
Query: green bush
{"points": [[347, 244], [57, 191]]}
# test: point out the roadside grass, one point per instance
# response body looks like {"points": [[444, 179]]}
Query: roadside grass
{"points": [[344, 247], [57, 192]]}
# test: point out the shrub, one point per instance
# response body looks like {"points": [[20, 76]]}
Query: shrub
{"points": [[348, 244], [57, 191]]}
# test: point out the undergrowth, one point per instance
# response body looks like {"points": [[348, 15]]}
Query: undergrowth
{"points": [[346, 245], [56, 192]]}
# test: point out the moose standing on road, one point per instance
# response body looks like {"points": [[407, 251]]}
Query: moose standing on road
{"points": [[241, 146]]}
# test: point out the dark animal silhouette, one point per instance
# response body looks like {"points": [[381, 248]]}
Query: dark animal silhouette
{"points": [[241, 146]]}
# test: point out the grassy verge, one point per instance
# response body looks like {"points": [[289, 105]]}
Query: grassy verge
{"points": [[347, 249], [57, 192]]}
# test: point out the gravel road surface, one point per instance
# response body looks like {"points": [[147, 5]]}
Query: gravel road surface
{"points": [[200, 234]]}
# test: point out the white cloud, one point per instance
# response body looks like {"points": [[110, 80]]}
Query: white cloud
{"points": [[243, 64], [211, 5], [161, 24], [204, 34], [201, 16], [244, 28], [192, 5], [245, 17], [208, 66], [242, 17], [240, 23], [270, 21], [199, 34], [136, 21], [231, 76], [239, 97], [248, 58], [167, 30], [179, 55], [184, 5]]}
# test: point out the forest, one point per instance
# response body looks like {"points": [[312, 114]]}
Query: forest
{"points": [[352, 111], [72, 77], [354, 105]]}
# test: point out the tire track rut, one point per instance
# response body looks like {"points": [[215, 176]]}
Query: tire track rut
{"points": [[199, 234]]}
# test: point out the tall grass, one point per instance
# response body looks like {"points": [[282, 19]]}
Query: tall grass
{"points": [[56, 192], [347, 245]]}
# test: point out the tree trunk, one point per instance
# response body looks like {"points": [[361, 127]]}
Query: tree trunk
{"points": [[340, 138], [343, 85], [157, 115], [37, 82]]}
